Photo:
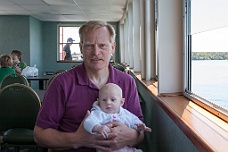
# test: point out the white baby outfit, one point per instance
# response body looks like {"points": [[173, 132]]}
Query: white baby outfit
{"points": [[97, 116]]}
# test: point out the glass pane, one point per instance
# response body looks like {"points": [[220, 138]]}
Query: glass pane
{"points": [[75, 51], [66, 32], [209, 33]]}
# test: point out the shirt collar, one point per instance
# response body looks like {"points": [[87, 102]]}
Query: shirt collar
{"points": [[81, 75], [84, 80]]}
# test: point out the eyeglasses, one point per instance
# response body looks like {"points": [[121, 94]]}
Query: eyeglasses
{"points": [[88, 46]]}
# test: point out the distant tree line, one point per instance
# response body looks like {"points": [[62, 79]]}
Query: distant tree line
{"points": [[209, 55]]}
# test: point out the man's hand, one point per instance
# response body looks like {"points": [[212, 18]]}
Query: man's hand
{"points": [[97, 141], [54, 139], [125, 135]]}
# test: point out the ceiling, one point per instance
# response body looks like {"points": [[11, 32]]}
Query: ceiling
{"points": [[66, 10]]}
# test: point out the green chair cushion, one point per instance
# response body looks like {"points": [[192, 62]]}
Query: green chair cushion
{"points": [[19, 136]]}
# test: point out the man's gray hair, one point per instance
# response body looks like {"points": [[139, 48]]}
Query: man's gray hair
{"points": [[94, 25]]}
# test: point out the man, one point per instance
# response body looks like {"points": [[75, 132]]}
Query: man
{"points": [[67, 50], [71, 94]]}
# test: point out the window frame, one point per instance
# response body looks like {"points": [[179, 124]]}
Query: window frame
{"points": [[58, 42], [211, 107]]}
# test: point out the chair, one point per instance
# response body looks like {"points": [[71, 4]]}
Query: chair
{"points": [[50, 80], [119, 67], [13, 78], [53, 76], [19, 106], [59, 71]]}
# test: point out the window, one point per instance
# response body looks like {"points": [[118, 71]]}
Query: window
{"points": [[65, 32], [208, 47]]}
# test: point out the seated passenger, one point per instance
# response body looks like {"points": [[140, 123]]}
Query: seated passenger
{"points": [[5, 64], [108, 108], [18, 64], [59, 124]]}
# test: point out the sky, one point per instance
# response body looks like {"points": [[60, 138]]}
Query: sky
{"points": [[209, 25]]}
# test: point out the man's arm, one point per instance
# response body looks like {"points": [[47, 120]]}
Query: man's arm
{"points": [[44, 137], [55, 139], [63, 55]]}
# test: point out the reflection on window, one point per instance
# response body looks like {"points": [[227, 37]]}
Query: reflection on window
{"points": [[209, 47], [65, 32]]}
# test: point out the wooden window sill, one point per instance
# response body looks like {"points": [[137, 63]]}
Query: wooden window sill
{"points": [[206, 131]]}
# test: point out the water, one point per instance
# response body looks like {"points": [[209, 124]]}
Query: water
{"points": [[210, 80]]}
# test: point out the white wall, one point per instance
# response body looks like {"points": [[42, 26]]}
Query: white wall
{"points": [[169, 45]]}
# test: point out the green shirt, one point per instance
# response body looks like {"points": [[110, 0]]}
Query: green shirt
{"points": [[5, 71]]}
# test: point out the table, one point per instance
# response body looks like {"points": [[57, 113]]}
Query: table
{"points": [[42, 80]]}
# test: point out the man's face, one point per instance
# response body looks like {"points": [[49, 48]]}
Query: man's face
{"points": [[97, 48], [70, 43]]}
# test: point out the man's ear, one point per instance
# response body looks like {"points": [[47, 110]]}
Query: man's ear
{"points": [[122, 101], [113, 47], [80, 46]]}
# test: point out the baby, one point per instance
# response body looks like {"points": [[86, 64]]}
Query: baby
{"points": [[18, 64], [5, 66], [108, 108]]}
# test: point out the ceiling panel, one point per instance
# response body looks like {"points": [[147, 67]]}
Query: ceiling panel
{"points": [[11, 8], [65, 10], [59, 2], [100, 2], [37, 7], [34, 2]]}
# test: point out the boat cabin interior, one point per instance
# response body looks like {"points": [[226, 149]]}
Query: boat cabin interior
{"points": [[151, 47]]}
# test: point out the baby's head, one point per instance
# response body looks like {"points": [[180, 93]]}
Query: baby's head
{"points": [[16, 56], [5, 61], [110, 98]]}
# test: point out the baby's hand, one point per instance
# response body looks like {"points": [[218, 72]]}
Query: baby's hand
{"points": [[17, 69], [143, 127], [104, 130]]}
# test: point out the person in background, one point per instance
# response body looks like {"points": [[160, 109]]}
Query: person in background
{"points": [[6, 66], [108, 108], [67, 50], [70, 96], [18, 64]]}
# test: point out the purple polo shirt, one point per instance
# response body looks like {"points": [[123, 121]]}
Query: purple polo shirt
{"points": [[71, 94]]}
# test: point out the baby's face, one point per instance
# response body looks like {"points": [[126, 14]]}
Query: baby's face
{"points": [[15, 58], [110, 101]]}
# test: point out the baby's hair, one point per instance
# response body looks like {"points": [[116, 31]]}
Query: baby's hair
{"points": [[5, 61], [112, 85]]}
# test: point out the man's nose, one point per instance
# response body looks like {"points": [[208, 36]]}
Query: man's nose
{"points": [[96, 49]]}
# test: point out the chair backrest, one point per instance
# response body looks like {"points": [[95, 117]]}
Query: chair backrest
{"points": [[13, 78], [53, 76], [19, 106], [119, 67], [59, 71]]}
